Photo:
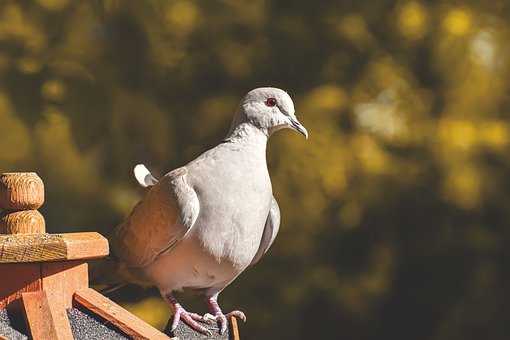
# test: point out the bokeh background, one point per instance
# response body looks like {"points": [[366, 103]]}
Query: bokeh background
{"points": [[396, 211]]}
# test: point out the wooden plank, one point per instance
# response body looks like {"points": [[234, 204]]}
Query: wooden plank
{"points": [[52, 247], [38, 316], [118, 316], [21, 191], [83, 245], [22, 277], [234, 329], [31, 248], [61, 321], [60, 280], [22, 222]]}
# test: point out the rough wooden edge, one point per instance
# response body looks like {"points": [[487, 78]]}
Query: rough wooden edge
{"points": [[38, 316], [118, 316], [234, 329], [60, 280], [85, 245], [52, 247]]}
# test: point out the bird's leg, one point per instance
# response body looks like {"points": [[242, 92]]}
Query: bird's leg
{"points": [[188, 318], [217, 315]]}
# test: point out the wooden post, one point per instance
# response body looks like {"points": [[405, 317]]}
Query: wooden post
{"points": [[234, 329], [21, 194]]}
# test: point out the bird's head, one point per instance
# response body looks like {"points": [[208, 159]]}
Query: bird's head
{"points": [[270, 109]]}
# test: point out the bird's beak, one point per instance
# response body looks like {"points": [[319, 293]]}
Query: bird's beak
{"points": [[297, 126]]}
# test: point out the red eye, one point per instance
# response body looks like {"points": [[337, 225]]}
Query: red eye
{"points": [[270, 102]]}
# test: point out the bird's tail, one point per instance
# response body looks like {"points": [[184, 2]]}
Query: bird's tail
{"points": [[109, 274], [144, 176], [105, 275], [107, 290]]}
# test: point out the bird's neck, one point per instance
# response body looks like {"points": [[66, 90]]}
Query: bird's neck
{"points": [[246, 133]]}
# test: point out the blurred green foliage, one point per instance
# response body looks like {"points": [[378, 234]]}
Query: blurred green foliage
{"points": [[396, 211]]}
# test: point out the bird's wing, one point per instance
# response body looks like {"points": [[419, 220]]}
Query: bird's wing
{"points": [[270, 231], [158, 222]]}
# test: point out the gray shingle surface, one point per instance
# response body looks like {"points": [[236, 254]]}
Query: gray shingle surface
{"points": [[86, 326], [183, 332], [6, 327]]}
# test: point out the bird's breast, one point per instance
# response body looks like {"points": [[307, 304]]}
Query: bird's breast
{"points": [[233, 212]]}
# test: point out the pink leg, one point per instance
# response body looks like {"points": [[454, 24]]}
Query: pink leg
{"points": [[188, 318], [218, 315]]}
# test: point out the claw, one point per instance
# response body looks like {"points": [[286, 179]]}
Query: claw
{"points": [[219, 317], [237, 314], [176, 319], [209, 318], [222, 320], [188, 318]]}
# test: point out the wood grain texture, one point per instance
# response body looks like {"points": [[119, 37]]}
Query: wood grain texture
{"points": [[51, 247], [234, 329], [22, 222], [84, 245], [36, 310], [16, 279], [60, 280], [119, 317], [21, 191]]}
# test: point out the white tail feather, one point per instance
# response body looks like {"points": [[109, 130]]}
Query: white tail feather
{"points": [[144, 176]]}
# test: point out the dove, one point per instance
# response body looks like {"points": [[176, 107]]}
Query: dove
{"points": [[201, 225]]}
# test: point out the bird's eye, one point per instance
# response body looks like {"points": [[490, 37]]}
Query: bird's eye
{"points": [[270, 101]]}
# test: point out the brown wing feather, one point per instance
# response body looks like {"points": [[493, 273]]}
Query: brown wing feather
{"points": [[158, 222]]}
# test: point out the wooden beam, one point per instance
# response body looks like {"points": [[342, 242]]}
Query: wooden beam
{"points": [[52, 247], [234, 330], [118, 316], [85, 245], [60, 280], [36, 310]]}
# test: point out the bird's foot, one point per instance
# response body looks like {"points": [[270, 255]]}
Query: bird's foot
{"points": [[218, 316], [190, 319]]}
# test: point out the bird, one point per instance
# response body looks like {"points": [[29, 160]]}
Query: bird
{"points": [[200, 226]]}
